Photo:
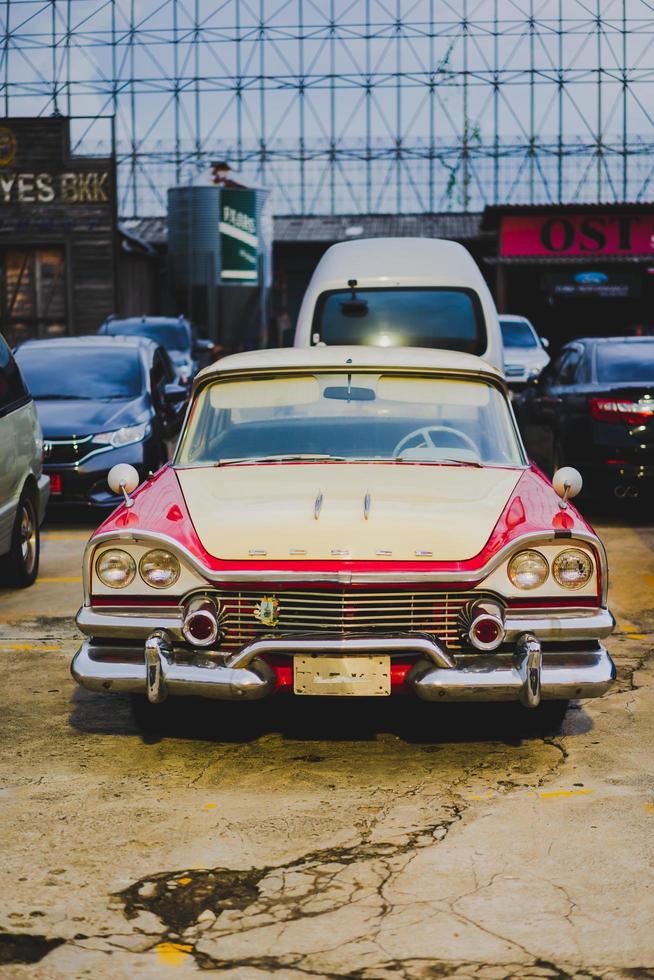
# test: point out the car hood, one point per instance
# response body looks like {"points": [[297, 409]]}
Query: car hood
{"points": [[76, 417], [416, 512]]}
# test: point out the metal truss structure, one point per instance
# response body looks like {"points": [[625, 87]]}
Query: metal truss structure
{"points": [[349, 106]]}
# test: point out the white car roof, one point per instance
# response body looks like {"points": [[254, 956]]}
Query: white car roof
{"points": [[422, 260], [316, 358]]}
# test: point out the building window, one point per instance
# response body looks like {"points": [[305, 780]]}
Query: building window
{"points": [[33, 293]]}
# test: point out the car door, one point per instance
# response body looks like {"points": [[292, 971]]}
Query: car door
{"points": [[17, 441]]}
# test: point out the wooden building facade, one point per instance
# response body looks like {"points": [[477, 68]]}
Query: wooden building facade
{"points": [[58, 232]]}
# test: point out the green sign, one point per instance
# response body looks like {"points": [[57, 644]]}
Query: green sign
{"points": [[239, 240]]}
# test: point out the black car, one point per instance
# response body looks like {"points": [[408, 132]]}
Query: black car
{"points": [[187, 352], [100, 401], [593, 408]]}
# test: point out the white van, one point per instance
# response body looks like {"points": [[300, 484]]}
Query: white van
{"points": [[400, 292]]}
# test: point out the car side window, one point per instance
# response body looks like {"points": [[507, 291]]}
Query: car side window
{"points": [[13, 390], [568, 367]]}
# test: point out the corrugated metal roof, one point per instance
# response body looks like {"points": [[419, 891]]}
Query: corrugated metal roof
{"points": [[335, 228]]}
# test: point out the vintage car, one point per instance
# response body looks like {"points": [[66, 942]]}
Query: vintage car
{"points": [[346, 521]]}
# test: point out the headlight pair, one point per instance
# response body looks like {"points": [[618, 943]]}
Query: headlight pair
{"points": [[571, 568], [117, 569]]}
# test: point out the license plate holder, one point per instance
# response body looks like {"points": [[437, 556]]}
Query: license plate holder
{"points": [[363, 675]]}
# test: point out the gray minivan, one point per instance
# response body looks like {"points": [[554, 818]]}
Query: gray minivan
{"points": [[24, 489]]}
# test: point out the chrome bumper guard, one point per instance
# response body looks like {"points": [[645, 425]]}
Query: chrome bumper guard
{"points": [[527, 675]]}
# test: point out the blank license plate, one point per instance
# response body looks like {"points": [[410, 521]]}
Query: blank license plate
{"points": [[363, 676], [55, 483]]}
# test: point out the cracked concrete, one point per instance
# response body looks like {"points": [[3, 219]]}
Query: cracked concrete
{"points": [[384, 840]]}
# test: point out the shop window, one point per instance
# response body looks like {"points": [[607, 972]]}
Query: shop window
{"points": [[33, 293]]}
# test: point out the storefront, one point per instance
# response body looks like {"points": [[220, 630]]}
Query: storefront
{"points": [[57, 232], [575, 270]]}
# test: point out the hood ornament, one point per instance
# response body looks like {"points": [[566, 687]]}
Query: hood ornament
{"points": [[267, 611]]}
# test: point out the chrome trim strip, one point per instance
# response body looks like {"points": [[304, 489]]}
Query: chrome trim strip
{"points": [[201, 677], [496, 677], [343, 577], [292, 643]]}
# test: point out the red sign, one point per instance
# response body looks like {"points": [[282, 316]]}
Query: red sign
{"points": [[591, 234]]}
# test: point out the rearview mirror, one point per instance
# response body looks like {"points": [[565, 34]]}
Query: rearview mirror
{"points": [[123, 478], [545, 342], [567, 482], [174, 393]]}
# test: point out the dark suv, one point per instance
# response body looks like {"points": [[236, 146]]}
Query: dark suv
{"points": [[187, 352]]}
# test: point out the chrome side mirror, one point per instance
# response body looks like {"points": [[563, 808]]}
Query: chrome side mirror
{"points": [[123, 478], [567, 482]]}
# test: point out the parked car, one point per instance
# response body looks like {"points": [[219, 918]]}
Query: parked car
{"points": [[101, 401], [346, 521], [595, 403], [187, 352], [24, 489], [524, 351], [400, 292]]}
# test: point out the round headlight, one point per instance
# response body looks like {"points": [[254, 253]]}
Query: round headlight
{"points": [[159, 569], [115, 568], [572, 568], [528, 569]]}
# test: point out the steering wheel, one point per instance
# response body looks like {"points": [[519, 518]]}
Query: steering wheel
{"points": [[425, 432]]}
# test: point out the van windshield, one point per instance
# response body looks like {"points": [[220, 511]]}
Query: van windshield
{"points": [[450, 319]]}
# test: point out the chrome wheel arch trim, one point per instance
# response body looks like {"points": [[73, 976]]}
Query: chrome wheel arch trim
{"points": [[344, 577]]}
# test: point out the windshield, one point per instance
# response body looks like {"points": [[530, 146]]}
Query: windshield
{"points": [[171, 334], [626, 362], [517, 333], [69, 372], [351, 416], [445, 318]]}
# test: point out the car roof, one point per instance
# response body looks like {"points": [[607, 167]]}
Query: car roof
{"points": [[588, 341], [430, 259], [95, 340], [154, 321], [315, 358]]}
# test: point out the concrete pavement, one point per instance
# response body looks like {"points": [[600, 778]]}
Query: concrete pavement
{"points": [[310, 840]]}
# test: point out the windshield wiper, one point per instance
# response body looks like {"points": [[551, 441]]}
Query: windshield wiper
{"points": [[279, 458], [64, 398], [441, 459]]}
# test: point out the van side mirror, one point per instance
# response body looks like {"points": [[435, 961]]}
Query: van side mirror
{"points": [[545, 342]]}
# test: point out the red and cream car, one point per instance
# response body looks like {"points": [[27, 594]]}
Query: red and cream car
{"points": [[347, 521]]}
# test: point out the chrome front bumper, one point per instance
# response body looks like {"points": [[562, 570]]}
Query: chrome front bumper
{"points": [[528, 675]]}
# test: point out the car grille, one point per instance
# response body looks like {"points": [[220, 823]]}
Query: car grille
{"points": [[343, 611], [62, 451]]}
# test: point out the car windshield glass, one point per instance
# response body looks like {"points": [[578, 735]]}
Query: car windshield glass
{"points": [[171, 334], [80, 372], [445, 318], [517, 333], [626, 362], [369, 416]]}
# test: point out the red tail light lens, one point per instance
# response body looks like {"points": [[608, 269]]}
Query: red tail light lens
{"points": [[612, 410]]}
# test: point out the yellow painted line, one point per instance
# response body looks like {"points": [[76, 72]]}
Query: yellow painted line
{"points": [[636, 636], [45, 579], [556, 793], [172, 954], [210, 806], [65, 536], [649, 807], [28, 646]]}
